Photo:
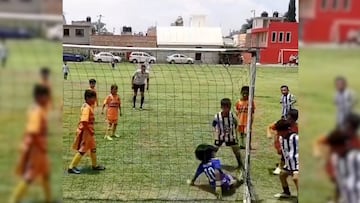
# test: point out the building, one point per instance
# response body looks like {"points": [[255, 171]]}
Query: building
{"points": [[190, 37], [28, 7], [277, 39], [198, 21], [78, 32], [333, 20]]}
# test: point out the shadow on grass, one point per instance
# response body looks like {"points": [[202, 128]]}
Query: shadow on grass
{"points": [[85, 170]]}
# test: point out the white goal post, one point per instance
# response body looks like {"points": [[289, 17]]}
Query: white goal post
{"points": [[281, 56]]}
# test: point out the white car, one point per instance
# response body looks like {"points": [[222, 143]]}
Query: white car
{"points": [[106, 57], [179, 58], [136, 57]]}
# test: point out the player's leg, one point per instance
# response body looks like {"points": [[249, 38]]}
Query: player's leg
{"points": [[45, 182], [136, 87], [114, 130], [108, 129], [296, 181], [286, 190], [142, 91], [236, 150], [20, 191], [75, 162], [94, 164]]}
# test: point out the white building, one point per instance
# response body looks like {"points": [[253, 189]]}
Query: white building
{"points": [[190, 37]]}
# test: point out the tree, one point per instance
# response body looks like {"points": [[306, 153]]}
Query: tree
{"points": [[246, 26], [291, 13]]}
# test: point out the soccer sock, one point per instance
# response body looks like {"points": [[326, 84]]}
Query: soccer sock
{"points": [[286, 190], [75, 160], [142, 101], [113, 129], [108, 129], [19, 192], [134, 101], [47, 189], [242, 139], [93, 158]]}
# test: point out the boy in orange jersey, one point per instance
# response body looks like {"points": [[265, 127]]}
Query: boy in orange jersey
{"points": [[85, 135], [92, 84], [45, 81], [242, 113], [113, 104], [34, 161], [272, 133]]}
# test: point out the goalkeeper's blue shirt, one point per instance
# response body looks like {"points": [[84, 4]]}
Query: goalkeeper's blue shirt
{"points": [[209, 170]]}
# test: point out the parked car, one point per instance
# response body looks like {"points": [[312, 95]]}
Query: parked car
{"points": [[179, 58], [15, 33], [73, 57], [106, 57], [140, 57]]}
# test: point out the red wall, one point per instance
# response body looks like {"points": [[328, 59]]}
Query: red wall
{"points": [[270, 54], [324, 19]]}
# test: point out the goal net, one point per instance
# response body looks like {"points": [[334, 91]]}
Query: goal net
{"points": [[154, 155]]}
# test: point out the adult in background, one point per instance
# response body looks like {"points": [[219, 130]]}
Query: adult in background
{"points": [[287, 101], [139, 79], [3, 53]]}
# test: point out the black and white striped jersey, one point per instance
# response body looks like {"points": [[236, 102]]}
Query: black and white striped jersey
{"points": [[290, 151]]}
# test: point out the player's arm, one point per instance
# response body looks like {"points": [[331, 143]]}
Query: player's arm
{"points": [[120, 107], [292, 99], [104, 104], [198, 172], [132, 79], [215, 130]]}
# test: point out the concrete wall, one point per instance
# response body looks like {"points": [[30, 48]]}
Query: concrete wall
{"points": [[123, 40], [17, 6], [206, 57], [73, 39]]}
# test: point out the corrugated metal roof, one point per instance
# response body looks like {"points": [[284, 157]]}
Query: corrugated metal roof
{"points": [[178, 35]]}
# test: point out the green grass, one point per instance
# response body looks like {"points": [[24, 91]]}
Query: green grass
{"points": [[319, 67], [154, 156]]}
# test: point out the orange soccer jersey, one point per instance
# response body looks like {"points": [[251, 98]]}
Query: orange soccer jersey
{"points": [[85, 134], [34, 159], [113, 104], [242, 107]]}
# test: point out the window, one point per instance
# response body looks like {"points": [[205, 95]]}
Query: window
{"points": [[347, 4], [79, 32], [324, 4], [182, 56], [281, 36], [273, 36], [288, 37], [66, 32], [335, 4]]}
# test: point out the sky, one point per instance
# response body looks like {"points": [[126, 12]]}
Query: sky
{"points": [[141, 14]]}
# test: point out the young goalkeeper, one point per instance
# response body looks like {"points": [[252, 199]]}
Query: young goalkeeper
{"points": [[218, 180]]}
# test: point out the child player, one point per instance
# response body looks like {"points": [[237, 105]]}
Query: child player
{"points": [[242, 107], [272, 133], [34, 161], [92, 84], [218, 180], [113, 104], [289, 142], [224, 125], [85, 135]]}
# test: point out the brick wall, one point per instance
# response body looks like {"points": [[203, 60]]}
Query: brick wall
{"points": [[123, 40]]}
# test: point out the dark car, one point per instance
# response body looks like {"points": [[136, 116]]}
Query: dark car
{"points": [[15, 33], [73, 57]]}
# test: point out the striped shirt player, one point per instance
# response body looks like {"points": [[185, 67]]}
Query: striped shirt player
{"points": [[290, 150], [345, 102], [347, 175], [225, 125], [225, 129], [287, 101], [138, 81]]}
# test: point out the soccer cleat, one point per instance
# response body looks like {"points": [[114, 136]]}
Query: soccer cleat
{"points": [[73, 170], [277, 171], [141, 108], [116, 135], [282, 195], [98, 168], [108, 138]]}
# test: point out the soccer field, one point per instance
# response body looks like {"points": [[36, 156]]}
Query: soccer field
{"points": [[154, 156]]}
